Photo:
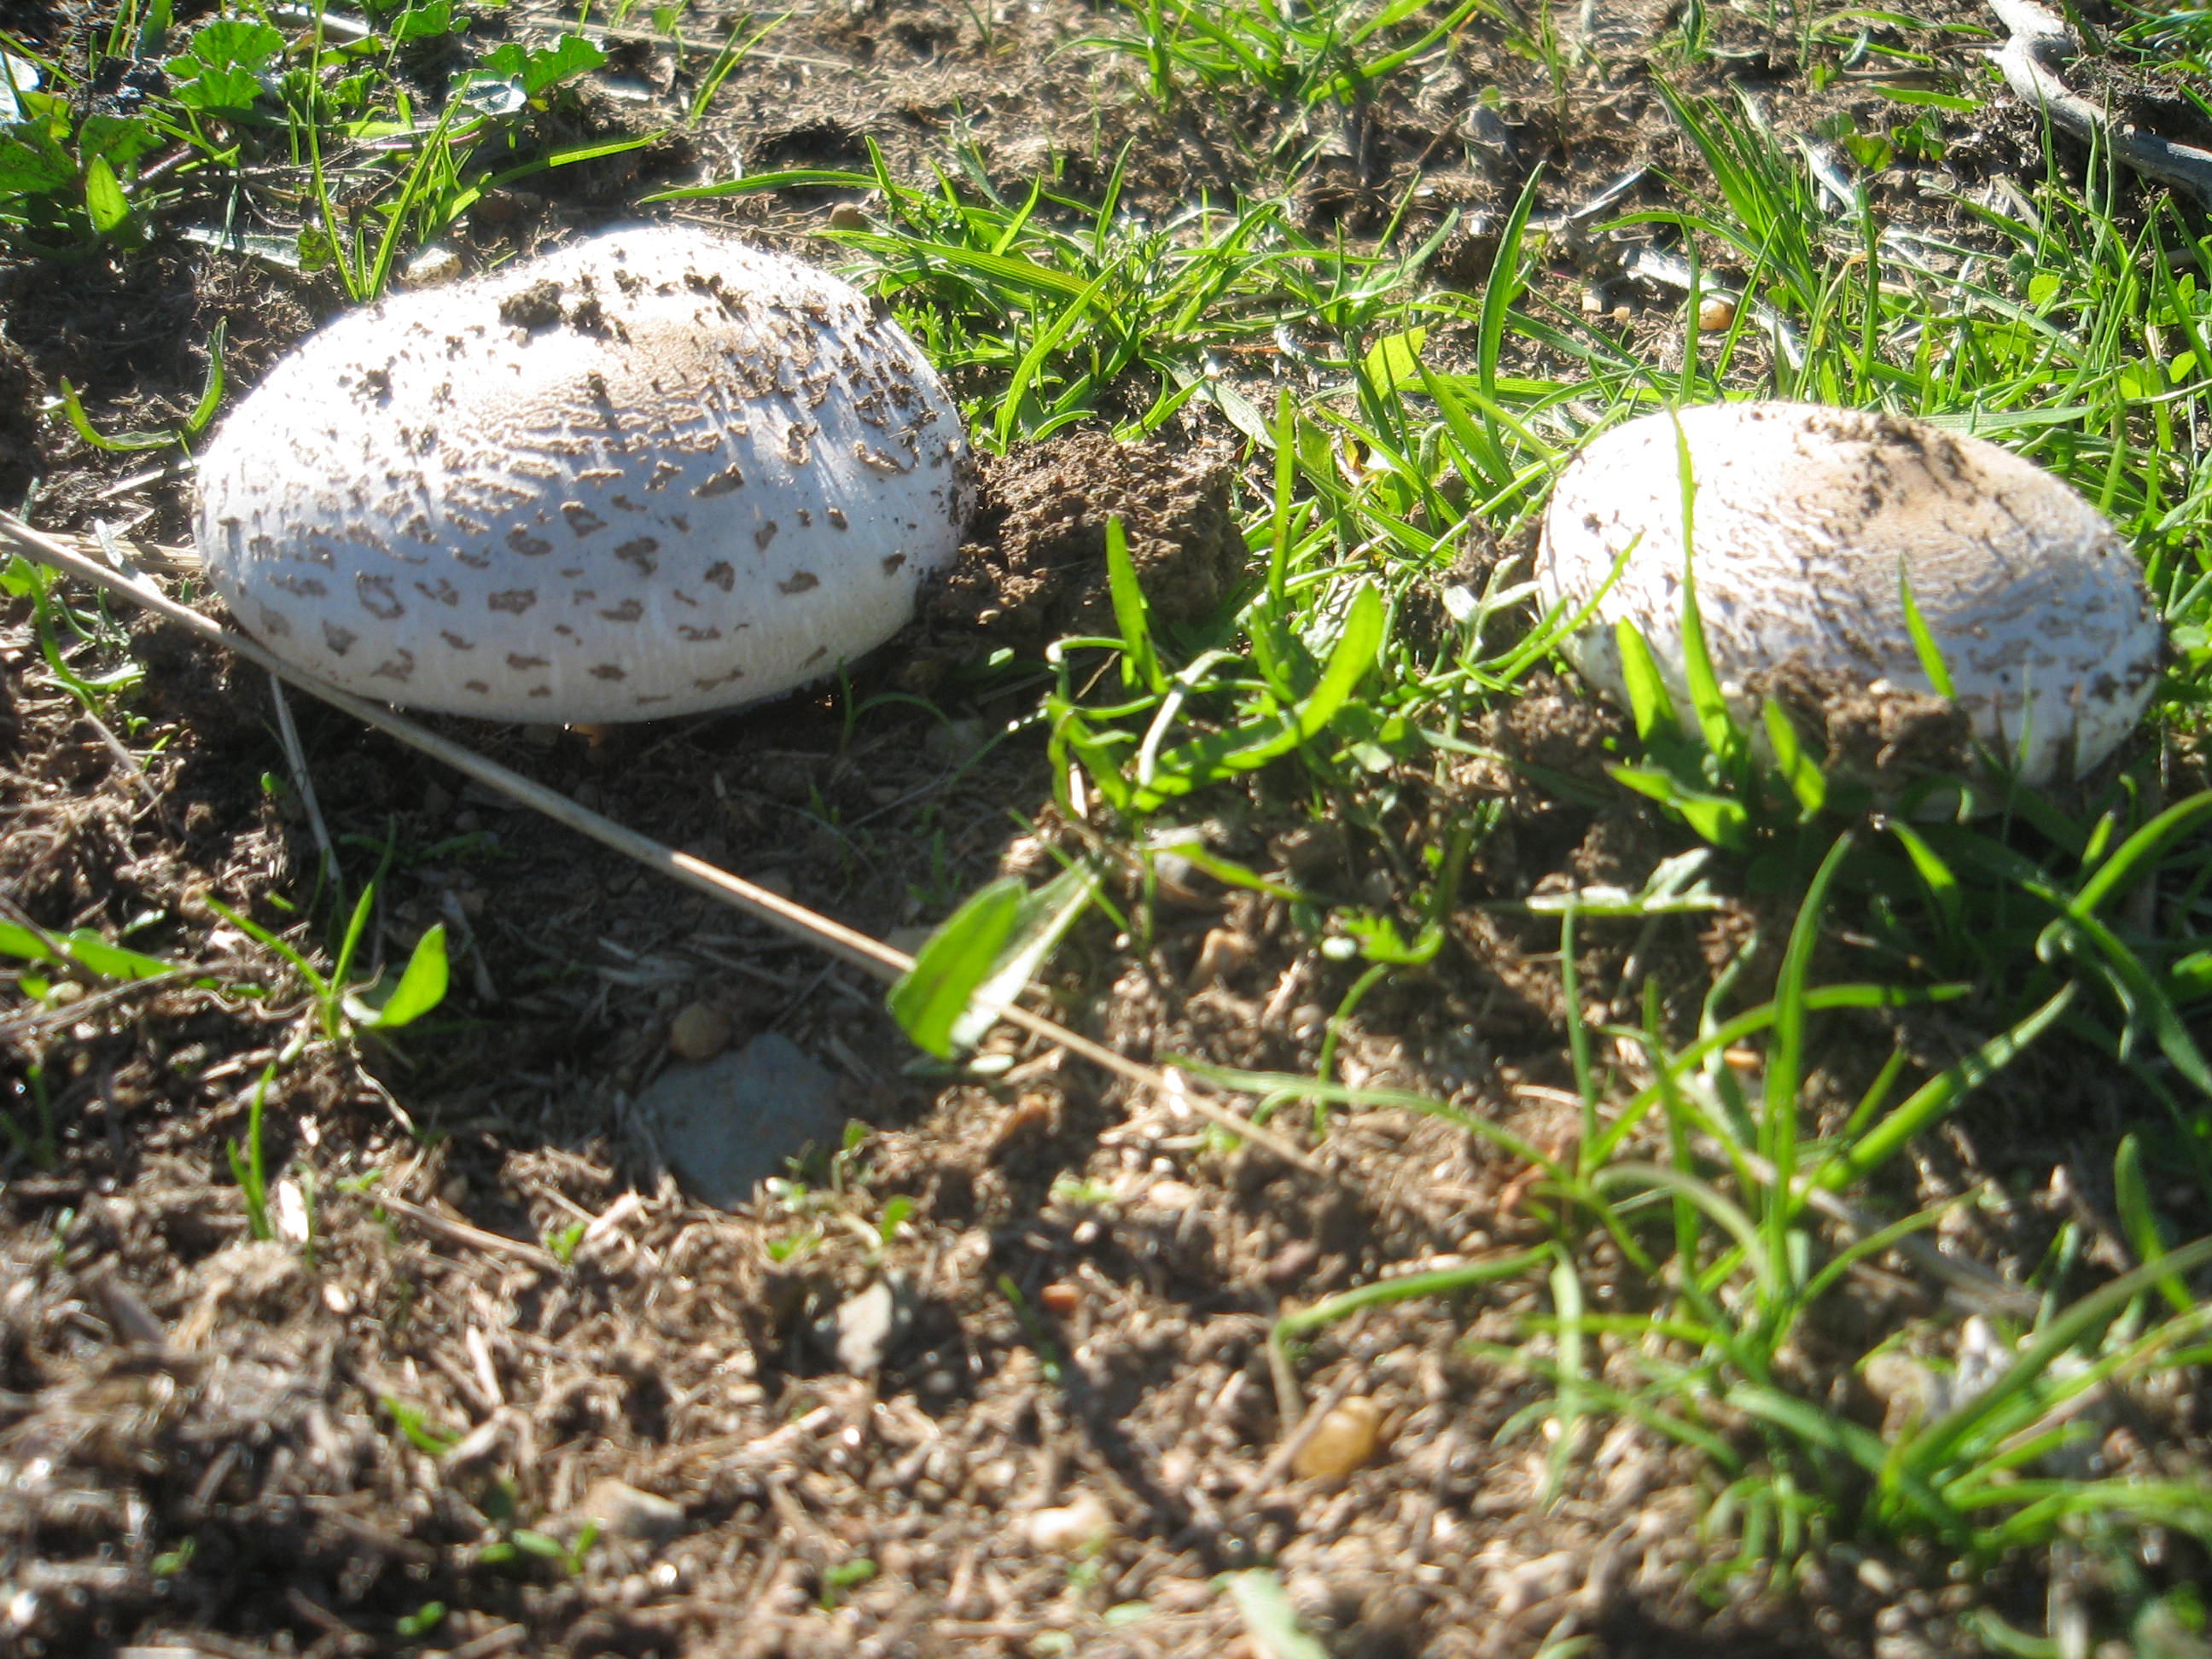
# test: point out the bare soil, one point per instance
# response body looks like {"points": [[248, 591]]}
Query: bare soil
{"points": [[235, 1447]]}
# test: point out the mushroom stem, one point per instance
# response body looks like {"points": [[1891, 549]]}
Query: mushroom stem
{"points": [[848, 944]]}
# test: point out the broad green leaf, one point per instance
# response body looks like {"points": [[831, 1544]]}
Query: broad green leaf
{"points": [[1266, 1609], [221, 68], [931, 997], [1040, 924], [425, 20], [975, 964], [103, 196], [83, 947], [538, 71], [31, 163], [1394, 360], [422, 985], [118, 140]]}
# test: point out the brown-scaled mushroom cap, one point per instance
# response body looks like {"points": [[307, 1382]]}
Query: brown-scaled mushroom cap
{"points": [[650, 473], [1808, 522]]}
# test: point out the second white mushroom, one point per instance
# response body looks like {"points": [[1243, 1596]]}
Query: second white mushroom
{"points": [[1807, 525]]}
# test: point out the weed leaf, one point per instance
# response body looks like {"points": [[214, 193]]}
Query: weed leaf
{"points": [[980, 960], [422, 985]]}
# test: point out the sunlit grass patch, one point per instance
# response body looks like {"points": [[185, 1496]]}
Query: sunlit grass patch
{"points": [[328, 142], [1795, 989], [1725, 1210]]}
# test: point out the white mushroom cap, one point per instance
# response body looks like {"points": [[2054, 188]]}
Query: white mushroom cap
{"points": [[650, 473], [1804, 520]]}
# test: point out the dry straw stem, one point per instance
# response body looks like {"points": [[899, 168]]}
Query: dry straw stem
{"points": [[848, 944], [2039, 38]]}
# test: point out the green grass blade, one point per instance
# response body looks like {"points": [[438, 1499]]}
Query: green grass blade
{"points": [[1785, 1055], [1648, 699], [2134, 856], [1504, 286], [1714, 720], [1936, 1097], [1248, 746], [1140, 662], [2139, 1220], [1801, 774], [1923, 642], [1927, 1452], [1033, 360]]}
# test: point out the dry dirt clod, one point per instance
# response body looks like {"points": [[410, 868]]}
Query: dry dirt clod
{"points": [[1223, 952], [865, 1327], [1521, 1586], [431, 266], [1038, 561]]}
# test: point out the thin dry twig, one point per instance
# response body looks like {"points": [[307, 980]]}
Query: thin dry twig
{"points": [[848, 944], [2040, 39], [295, 759], [460, 1232]]}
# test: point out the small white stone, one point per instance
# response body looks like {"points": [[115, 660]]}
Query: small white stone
{"points": [[293, 1222], [1523, 1585], [433, 265], [1177, 1195], [1084, 1524], [622, 1511]]}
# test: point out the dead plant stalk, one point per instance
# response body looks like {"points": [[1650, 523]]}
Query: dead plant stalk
{"points": [[848, 944]]}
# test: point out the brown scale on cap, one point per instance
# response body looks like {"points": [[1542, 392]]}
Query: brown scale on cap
{"points": [[695, 427]]}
